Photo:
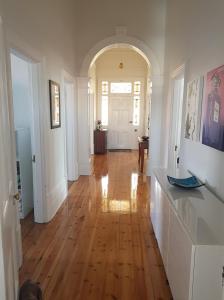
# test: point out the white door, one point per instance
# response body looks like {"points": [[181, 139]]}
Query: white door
{"points": [[120, 128], [10, 241]]}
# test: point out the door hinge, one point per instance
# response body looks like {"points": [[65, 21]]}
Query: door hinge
{"points": [[34, 158]]}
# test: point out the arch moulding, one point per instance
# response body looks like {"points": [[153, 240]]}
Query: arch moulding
{"points": [[120, 41]]}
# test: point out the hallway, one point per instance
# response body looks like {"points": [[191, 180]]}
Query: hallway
{"points": [[100, 245]]}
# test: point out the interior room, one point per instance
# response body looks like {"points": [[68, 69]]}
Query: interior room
{"points": [[23, 122], [111, 150]]}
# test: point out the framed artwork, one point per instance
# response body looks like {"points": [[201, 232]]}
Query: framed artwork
{"points": [[55, 109], [193, 109], [213, 110]]}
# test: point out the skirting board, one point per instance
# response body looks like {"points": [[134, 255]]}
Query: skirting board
{"points": [[85, 168], [55, 199]]}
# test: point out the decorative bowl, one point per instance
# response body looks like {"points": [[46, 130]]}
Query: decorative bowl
{"points": [[187, 183]]}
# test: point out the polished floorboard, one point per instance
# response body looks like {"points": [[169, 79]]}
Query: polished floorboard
{"points": [[100, 244]]}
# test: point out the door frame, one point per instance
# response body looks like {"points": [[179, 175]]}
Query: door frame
{"points": [[143, 80], [34, 92], [17, 46], [175, 117], [37, 132], [66, 78]]}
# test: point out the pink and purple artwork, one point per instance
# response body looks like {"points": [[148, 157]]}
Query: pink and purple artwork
{"points": [[213, 110]]}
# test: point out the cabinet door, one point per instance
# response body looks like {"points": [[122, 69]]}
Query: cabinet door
{"points": [[154, 205], [163, 226], [180, 260], [209, 263], [160, 217]]}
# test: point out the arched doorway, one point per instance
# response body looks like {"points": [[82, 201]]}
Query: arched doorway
{"points": [[156, 99], [120, 94]]}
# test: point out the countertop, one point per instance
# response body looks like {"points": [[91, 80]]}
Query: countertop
{"points": [[200, 211]]}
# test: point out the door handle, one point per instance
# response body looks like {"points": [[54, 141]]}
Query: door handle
{"points": [[130, 122], [34, 158], [17, 196]]}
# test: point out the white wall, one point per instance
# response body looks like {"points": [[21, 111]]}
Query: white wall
{"points": [[71, 131], [144, 20], [92, 104], [195, 37], [134, 64], [45, 31], [22, 101]]}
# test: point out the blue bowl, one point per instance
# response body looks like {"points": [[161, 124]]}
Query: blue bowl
{"points": [[187, 183]]}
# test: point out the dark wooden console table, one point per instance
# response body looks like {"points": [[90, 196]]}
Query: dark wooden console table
{"points": [[100, 141], [142, 145]]}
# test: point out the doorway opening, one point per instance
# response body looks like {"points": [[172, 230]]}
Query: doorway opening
{"points": [[24, 75], [177, 96], [120, 97]]}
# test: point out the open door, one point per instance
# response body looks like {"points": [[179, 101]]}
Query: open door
{"points": [[10, 236]]}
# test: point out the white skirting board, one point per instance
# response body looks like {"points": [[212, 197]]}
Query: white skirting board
{"points": [[85, 168]]}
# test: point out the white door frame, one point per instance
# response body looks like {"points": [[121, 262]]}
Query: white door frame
{"points": [[71, 161], [176, 116], [38, 127], [15, 44]]}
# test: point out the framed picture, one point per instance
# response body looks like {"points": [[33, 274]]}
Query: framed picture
{"points": [[213, 110], [193, 109], [55, 109]]}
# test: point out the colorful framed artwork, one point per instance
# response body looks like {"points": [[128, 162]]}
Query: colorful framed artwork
{"points": [[213, 110], [55, 109], [193, 109]]}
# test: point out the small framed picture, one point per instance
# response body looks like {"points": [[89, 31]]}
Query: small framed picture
{"points": [[55, 109]]}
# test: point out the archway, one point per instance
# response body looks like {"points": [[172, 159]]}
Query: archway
{"points": [[156, 104], [119, 41]]}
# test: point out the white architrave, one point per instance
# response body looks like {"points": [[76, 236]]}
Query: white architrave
{"points": [[118, 41], [71, 108], [83, 127], [19, 47]]}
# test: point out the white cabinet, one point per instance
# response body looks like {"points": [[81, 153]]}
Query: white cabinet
{"points": [[188, 226], [180, 260], [159, 207]]}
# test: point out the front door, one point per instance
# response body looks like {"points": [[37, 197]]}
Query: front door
{"points": [[120, 122], [9, 237]]}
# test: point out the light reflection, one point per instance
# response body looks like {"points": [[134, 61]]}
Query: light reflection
{"points": [[134, 185], [119, 205], [104, 183]]}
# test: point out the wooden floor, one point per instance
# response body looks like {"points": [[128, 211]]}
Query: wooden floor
{"points": [[100, 245]]}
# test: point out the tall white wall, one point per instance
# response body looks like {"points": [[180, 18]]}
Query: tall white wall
{"points": [[144, 20], [195, 37], [46, 30]]}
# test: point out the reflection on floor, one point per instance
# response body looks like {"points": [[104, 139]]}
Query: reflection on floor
{"points": [[100, 245]]}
